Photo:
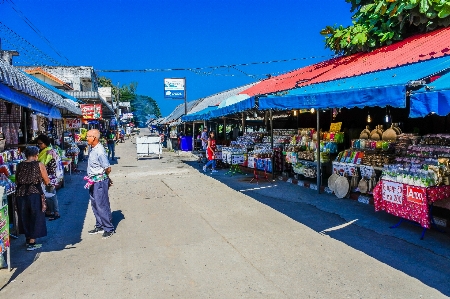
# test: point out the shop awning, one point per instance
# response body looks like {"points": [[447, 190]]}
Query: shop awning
{"points": [[241, 106], [434, 98], [413, 49], [200, 115], [381, 89]]}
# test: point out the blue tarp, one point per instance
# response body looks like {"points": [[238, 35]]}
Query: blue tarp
{"points": [[380, 88], [24, 100], [241, 106], [435, 98], [199, 115]]}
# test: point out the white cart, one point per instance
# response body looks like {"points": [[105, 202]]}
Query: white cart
{"points": [[148, 145]]}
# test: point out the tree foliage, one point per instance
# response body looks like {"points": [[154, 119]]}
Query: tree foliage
{"points": [[381, 22], [143, 107]]}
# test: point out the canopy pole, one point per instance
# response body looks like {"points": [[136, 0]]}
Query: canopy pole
{"points": [[271, 141], [319, 175], [224, 129], [193, 135], [243, 123]]}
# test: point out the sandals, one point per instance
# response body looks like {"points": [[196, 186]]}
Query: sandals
{"points": [[54, 217]]}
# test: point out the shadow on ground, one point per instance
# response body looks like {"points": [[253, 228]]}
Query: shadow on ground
{"points": [[63, 233], [367, 231]]}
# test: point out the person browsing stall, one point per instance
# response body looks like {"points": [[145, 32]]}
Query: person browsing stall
{"points": [[30, 197], [98, 171], [204, 138], [50, 158]]}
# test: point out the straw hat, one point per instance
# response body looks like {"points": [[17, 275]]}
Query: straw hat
{"points": [[363, 185], [332, 181]]}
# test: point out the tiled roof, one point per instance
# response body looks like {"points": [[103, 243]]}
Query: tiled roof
{"points": [[416, 48], [38, 70], [178, 112]]}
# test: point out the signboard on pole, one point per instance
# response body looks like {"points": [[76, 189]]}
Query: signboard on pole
{"points": [[174, 88], [91, 111], [73, 123]]}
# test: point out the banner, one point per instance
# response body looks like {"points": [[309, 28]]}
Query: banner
{"points": [[4, 229], [91, 111], [174, 88], [73, 123]]}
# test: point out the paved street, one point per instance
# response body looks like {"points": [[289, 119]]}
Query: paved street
{"points": [[183, 233]]}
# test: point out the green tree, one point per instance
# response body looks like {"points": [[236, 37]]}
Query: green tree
{"points": [[143, 107], [381, 22]]}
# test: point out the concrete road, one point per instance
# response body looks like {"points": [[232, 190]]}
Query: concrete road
{"points": [[183, 233]]}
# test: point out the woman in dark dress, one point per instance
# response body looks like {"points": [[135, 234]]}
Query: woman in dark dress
{"points": [[30, 198]]}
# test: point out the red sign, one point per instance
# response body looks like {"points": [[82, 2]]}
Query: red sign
{"points": [[415, 194], [73, 123], [91, 111]]}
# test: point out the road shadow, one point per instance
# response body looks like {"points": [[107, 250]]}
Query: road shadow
{"points": [[367, 231], [63, 233], [117, 216]]}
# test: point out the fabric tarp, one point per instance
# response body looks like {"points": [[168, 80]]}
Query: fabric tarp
{"points": [[199, 115], [435, 98], [24, 100], [375, 89], [241, 106]]}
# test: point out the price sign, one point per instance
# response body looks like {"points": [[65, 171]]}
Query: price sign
{"points": [[392, 192], [415, 194], [73, 123]]}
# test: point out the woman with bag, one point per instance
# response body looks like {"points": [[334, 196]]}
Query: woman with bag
{"points": [[210, 150], [51, 160], [30, 197]]}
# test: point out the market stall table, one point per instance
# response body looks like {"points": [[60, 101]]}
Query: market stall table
{"points": [[408, 202]]}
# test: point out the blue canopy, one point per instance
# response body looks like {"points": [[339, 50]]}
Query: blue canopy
{"points": [[241, 106], [434, 98], [380, 88], [199, 115]]}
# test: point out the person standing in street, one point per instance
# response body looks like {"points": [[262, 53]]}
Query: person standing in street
{"points": [[111, 142], [98, 171], [211, 149]]}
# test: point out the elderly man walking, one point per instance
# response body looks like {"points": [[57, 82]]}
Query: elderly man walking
{"points": [[98, 170]]}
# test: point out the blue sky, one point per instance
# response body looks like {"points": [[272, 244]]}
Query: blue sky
{"points": [[151, 34]]}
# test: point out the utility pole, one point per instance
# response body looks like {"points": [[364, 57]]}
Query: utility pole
{"points": [[117, 104]]}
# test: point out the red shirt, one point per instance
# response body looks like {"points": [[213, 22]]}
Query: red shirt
{"points": [[212, 145]]}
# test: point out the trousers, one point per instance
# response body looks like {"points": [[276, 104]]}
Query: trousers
{"points": [[212, 163], [111, 150], [98, 194], [52, 204]]}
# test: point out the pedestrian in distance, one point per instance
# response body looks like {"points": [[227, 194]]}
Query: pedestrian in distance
{"points": [[204, 138], [30, 197], [98, 171], [211, 149], [111, 142]]}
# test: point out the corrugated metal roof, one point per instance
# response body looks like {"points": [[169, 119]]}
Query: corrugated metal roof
{"points": [[417, 48], [216, 99], [20, 81], [178, 112]]}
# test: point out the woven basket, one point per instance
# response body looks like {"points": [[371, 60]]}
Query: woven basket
{"points": [[363, 186], [390, 134], [332, 181], [342, 187]]}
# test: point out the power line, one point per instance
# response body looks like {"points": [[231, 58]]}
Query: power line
{"points": [[24, 47], [35, 29], [208, 67]]}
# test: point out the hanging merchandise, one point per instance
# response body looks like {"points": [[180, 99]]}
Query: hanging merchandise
{"points": [[34, 122]]}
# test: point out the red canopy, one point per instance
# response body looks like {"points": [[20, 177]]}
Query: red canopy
{"points": [[416, 48]]}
